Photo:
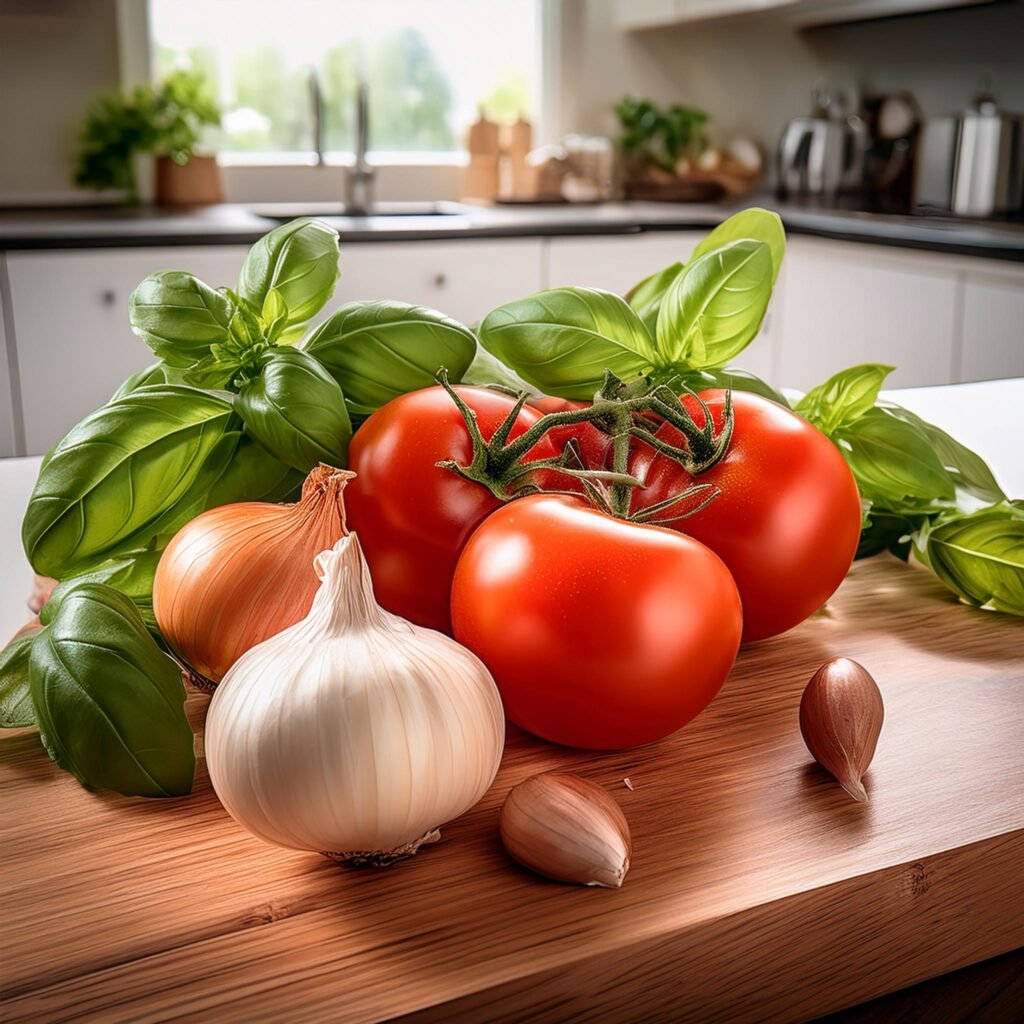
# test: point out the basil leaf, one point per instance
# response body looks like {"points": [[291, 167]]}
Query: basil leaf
{"points": [[735, 378], [888, 531], [296, 410], [757, 224], [486, 370], [16, 710], [377, 351], [179, 317], [844, 397], [155, 373], [647, 296], [253, 474], [124, 474], [970, 472], [715, 306], [300, 261], [979, 556], [561, 341], [109, 703], [893, 461], [130, 574]]}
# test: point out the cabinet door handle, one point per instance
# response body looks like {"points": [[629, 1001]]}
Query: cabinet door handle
{"points": [[440, 279], [108, 296]]}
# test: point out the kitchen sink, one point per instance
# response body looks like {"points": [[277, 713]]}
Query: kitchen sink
{"points": [[289, 211]]}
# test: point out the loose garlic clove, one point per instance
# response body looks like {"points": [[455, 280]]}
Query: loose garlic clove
{"points": [[841, 715], [566, 828]]}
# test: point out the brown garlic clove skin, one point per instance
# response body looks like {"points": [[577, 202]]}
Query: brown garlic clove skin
{"points": [[568, 829], [841, 715]]}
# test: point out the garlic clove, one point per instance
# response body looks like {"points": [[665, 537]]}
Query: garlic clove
{"points": [[841, 714], [566, 828]]}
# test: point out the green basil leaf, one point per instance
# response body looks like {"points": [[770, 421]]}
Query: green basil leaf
{"points": [[715, 306], [561, 341], [888, 531], [970, 472], [893, 461], [979, 556], [647, 296], [756, 224], [377, 351], [296, 410], [274, 315], [155, 373], [253, 474], [130, 574], [124, 474], [109, 703], [735, 378], [844, 397], [486, 370], [16, 710], [300, 261], [179, 317]]}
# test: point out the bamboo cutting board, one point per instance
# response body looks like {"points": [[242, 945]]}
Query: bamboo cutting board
{"points": [[759, 890]]}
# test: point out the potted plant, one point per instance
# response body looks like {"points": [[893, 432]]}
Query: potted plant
{"points": [[667, 156], [162, 120]]}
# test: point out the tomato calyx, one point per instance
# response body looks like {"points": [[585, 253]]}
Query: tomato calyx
{"points": [[623, 410]]}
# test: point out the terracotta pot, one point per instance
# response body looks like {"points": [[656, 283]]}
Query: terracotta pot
{"points": [[189, 184]]}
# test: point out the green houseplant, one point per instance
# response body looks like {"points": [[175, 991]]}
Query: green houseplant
{"points": [[163, 120]]}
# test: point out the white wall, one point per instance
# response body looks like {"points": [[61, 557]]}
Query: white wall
{"points": [[56, 56]]}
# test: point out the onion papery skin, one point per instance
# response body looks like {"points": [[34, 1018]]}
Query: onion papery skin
{"points": [[353, 733], [239, 574]]}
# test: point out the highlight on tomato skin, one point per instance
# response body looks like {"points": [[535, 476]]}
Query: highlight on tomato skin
{"points": [[600, 633], [787, 519]]}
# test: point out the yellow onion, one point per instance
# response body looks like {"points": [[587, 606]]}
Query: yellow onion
{"points": [[239, 574]]}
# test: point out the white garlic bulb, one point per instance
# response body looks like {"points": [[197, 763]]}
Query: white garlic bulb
{"points": [[353, 733]]}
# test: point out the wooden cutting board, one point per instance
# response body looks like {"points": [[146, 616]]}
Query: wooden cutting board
{"points": [[758, 889]]}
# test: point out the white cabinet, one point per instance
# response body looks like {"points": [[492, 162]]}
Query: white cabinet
{"points": [[618, 262], [70, 318], [465, 279], [993, 324], [846, 303]]}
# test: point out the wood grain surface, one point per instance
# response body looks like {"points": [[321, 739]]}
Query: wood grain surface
{"points": [[759, 890]]}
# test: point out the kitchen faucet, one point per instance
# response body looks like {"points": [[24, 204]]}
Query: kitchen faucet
{"points": [[359, 192]]}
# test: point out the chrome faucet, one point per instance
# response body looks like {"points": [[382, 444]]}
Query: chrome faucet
{"points": [[359, 191]]}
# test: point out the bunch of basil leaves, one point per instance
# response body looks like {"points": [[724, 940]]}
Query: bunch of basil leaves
{"points": [[921, 488], [241, 403]]}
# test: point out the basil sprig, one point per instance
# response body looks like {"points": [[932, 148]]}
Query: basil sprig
{"points": [[233, 410], [923, 491], [684, 320]]}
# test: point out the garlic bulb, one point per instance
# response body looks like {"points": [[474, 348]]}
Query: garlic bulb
{"points": [[240, 573], [353, 733], [566, 828]]}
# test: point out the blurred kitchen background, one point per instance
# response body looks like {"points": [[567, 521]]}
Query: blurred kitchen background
{"points": [[473, 152]]}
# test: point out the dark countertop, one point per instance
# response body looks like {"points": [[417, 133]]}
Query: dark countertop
{"points": [[112, 226]]}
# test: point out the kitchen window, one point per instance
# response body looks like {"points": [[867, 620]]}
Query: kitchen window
{"points": [[429, 65]]}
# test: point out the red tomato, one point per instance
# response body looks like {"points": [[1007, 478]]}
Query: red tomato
{"points": [[600, 633], [594, 445], [787, 520], [412, 517]]}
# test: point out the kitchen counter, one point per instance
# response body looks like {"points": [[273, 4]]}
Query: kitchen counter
{"points": [[87, 227], [758, 888]]}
